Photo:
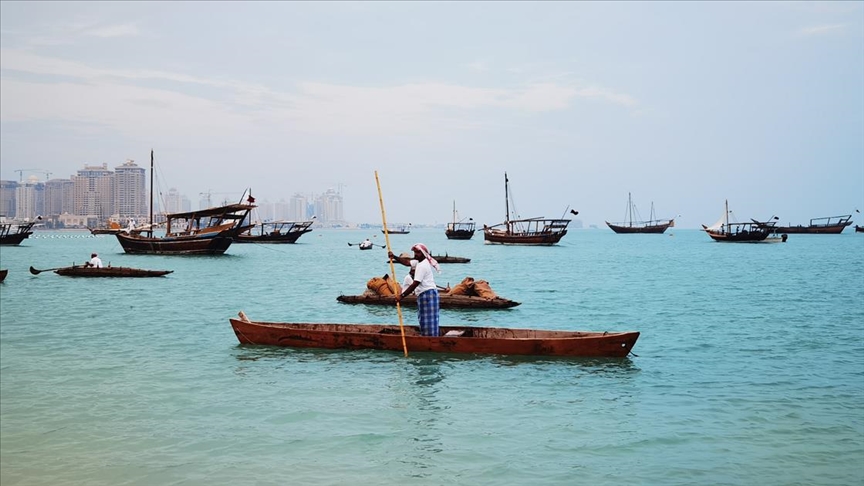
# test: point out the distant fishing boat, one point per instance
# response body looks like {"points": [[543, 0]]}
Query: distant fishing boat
{"points": [[859, 229], [832, 225], [399, 230], [631, 225], [753, 232], [459, 230], [530, 231], [275, 232], [103, 272]]}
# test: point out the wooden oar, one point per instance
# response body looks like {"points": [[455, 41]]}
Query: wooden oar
{"points": [[392, 268], [37, 272]]}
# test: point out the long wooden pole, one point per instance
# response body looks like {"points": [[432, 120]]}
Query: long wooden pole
{"points": [[392, 268]]}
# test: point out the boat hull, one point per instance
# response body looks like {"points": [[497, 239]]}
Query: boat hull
{"points": [[744, 237], [813, 230], [459, 234], [859, 229], [12, 235], [3, 274], [493, 237], [652, 229], [473, 340], [115, 272], [446, 301], [206, 245], [280, 238]]}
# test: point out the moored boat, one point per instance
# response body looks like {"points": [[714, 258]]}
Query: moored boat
{"points": [[109, 271], [399, 230], [446, 301], [859, 229], [743, 232], [3, 274], [530, 231], [275, 232], [631, 225], [453, 339], [13, 233], [204, 232], [832, 225], [459, 229]]}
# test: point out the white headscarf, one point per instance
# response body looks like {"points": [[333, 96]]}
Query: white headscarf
{"points": [[425, 251]]}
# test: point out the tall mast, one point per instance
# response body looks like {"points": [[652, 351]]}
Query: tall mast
{"points": [[454, 214], [629, 210], [151, 193], [506, 201]]}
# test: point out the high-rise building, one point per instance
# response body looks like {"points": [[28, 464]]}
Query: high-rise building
{"points": [[94, 194], [7, 198], [130, 191], [328, 207], [59, 197], [298, 208], [29, 199]]}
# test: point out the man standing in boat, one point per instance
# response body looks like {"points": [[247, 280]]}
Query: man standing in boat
{"points": [[423, 286]]}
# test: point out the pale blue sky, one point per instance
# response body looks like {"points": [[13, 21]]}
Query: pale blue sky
{"points": [[681, 103]]}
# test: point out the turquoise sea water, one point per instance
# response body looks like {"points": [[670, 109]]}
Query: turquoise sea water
{"points": [[749, 369]]}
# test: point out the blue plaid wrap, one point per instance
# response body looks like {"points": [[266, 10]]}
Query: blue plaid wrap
{"points": [[427, 312]]}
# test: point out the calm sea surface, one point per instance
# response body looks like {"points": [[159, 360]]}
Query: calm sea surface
{"points": [[749, 370]]}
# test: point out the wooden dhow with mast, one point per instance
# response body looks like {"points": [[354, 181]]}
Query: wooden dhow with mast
{"points": [[633, 225], [530, 231], [459, 229], [753, 232], [204, 232]]}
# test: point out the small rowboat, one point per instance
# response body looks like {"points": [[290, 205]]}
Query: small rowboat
{"points": [[82, 271], [453, 339], [446, 301]]}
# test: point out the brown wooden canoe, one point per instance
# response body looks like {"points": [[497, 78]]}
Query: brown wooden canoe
{"points": [[110, 272], [446, 301], [453, 339]]}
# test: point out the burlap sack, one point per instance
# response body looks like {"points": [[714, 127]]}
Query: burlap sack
{"points": [[381, 286], [482, 288], [465, 287]]}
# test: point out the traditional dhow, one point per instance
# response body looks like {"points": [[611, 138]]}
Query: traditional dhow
{"points": [[453, 339], [859, 229], [275, 232], [109, 271], [832, 225], [531, 231], [446, 301], [13, 233], [204, 232], [753, 232], [399, 230], [459, 229], [634, 225]]}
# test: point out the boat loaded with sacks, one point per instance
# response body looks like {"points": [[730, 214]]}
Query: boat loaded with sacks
{"points": [[468, 294], [453, 339]]}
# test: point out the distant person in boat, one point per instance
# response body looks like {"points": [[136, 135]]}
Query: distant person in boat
{"points": [[409, 279], [94, 262], [366, 243], [423, 286]]}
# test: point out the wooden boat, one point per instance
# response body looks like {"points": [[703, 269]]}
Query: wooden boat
{"points": [[531, 231], [275, 232], [109, 271], [453, 339], [112, 229], [450, 259], [753, 232], [652, 225], [833, 225], [401, 230], [461, 229], [859, 229], [446, 301], [3, 274], [204, 232], [13, 233]]}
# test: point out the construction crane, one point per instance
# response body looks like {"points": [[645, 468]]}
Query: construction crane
{"points": [[209, 193], [41, 171]]}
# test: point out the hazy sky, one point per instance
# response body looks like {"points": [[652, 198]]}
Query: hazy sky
{"points": [[681, 103]]}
